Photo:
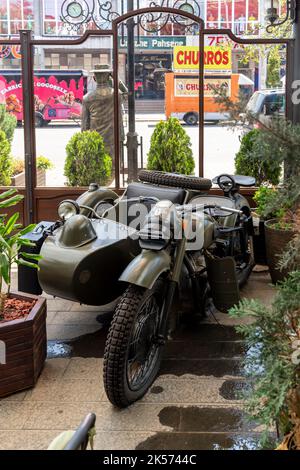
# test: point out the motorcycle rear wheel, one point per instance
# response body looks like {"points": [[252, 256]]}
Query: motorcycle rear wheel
{"points": [[133, 351]]}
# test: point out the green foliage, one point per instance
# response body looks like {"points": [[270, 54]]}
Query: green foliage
{"points": [[272, 362], [281, 203], [43, 163], [87, 160], [11, 243], [5, 160], [273, 68], [265, 197], [171, 148], [17, 167], [8, 122], [250, 160]]}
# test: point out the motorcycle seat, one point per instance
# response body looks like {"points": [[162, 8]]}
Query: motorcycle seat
{"points": [[240, 180], [175, 195], [132, 213]]}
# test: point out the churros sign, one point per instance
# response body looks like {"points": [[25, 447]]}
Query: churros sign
{"points": [[215, 58], [188, 87]]}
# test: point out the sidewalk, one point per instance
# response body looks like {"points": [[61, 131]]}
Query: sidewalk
{"points": [[193, 404]]}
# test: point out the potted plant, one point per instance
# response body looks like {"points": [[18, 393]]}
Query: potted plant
{"points": [[5, 160], [18, 171], [171, 149], [250, 161], [22, 317], [87, 160], [261, 197], [8, 123], [272, 364], [278, 206]]}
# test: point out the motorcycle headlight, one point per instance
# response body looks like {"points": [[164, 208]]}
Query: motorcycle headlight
{"points": [[67, 209]]}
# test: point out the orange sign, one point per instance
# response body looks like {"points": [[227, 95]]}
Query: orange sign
{"points": [[215, 58]]}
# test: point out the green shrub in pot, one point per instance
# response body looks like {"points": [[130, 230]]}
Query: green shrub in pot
{"points": [[272, 364], [87, 160], [279, 207], [171, 149], [5, 160], [8, 123], [250, 160]]}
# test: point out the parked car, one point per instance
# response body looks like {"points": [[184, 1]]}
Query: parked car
{"points": [[266, 104]]}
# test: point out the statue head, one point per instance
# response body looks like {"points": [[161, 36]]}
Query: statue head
{"points": [[102, 74]]}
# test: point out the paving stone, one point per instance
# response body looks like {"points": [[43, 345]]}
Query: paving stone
{"points": [[200, 441], [50, 316], [57, 416], [186, 391], [82, 368], [54, 369], [119, 440], [19, 396], [13, 415], [68, 391], [26, 440], [60, 332], [76, 318], [57, 305]]}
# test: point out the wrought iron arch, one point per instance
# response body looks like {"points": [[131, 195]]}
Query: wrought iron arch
{"points": [[152, 11], [76, 13]]}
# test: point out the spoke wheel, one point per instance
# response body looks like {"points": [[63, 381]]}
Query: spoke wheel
{"points": [[133, 351]]}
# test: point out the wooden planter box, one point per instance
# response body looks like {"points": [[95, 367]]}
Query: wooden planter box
{"points": [[25, 346], [19, 180]]}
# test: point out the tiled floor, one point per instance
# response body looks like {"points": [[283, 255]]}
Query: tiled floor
{"points": [[194, 403]]}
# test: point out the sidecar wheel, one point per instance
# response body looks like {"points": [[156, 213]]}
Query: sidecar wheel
{"points": [[133, 352]]}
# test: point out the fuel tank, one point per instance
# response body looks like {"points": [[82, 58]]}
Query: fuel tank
{"points": [[84, 258]]}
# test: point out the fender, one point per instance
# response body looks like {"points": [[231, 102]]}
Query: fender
{"points": [[146, 268]]}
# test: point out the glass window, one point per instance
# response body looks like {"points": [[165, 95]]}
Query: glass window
{"points": [[15, 10], [15, 26], [212, 13], [49, 10], [3, 9], [50, 27], [226, 13], [240, 17], [28, 13], [3, 27]]}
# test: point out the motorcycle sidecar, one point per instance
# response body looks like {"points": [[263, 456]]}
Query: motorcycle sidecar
{"points": [[83, 260]]}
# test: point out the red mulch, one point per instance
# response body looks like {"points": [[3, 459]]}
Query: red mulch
{"points": [[16, 309]]}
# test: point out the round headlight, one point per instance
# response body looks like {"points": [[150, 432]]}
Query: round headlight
{"points": [[67, 209]]}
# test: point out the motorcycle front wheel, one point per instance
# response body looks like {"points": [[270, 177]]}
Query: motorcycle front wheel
{"points": [[133, 348]]}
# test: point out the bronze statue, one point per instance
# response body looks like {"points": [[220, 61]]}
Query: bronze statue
{"points": [[98, 107]]}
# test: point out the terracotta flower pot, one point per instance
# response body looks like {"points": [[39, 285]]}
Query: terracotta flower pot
{"points": [[23, 347], [276, 242]]}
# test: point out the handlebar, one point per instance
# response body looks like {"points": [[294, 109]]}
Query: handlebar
{"points": [[199, 207]]}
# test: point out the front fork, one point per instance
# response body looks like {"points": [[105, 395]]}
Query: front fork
{"points": [[171, 289]]}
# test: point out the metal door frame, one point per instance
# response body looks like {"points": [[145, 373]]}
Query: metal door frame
{"points": [[27, 43]]}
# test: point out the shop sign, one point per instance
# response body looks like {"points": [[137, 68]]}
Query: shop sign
{"points": [[215, 58], [215, 39], [188, 87], [154, 42]]}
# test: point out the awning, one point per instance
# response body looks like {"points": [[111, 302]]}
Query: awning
{"points": [[244, 80]]}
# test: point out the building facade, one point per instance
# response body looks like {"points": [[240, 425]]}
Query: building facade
{"points": [[54, 18]]}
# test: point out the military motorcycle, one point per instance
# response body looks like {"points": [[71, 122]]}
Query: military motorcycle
{"points": [[136, 250]]}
